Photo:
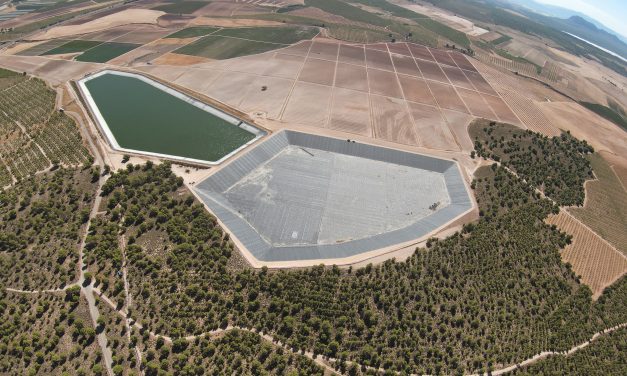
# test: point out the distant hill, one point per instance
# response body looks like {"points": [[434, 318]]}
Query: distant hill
{"points": [[572, 22], [564, 13], [587, 30]]}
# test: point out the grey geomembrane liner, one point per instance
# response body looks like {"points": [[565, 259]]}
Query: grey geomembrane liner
{"points": [[298, 196]]}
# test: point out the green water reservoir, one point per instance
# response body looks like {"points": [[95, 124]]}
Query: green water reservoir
{"points": [[142, 116]]}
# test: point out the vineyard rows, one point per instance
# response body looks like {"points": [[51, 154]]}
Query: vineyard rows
{"points": [[598, 263], [550, 72], [514, 66], [529, 113], [24, 158], [30, 103], [59, 139], [356, 35], [605, 210], [5, 176], [33, 135]]}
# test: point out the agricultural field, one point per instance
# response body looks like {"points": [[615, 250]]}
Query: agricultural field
{"points": [[219, 48], [9, 78], [114, 263], [105, 52], [193, 32], [356, 34], [509, 64], [279, 35], [230, 43], [605, 209], [36, 137], [608, 113], [43, 47], [182, 7], [596, 261], [74, 46]]}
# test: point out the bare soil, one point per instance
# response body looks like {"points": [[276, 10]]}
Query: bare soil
{"points": [[431, 71], [308, 104], [318, 71], [442, 57], [257, 99], [144, 35], [458, 124], [431, 128], [475, 103], [230, 22], [457, 77], [323, 50], [586, 125], [350, 112], [501, 110], [179, 60], [351, 77], [446, 96], [352, 54], [126, 17], [420, 52], [379, 60], [405, 65], [383, 83], [399, 48], [462, 61], [298, 49], [392, 121], [416, 90]]}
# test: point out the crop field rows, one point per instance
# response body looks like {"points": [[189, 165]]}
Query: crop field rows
{"points": [[529, 113], [403, 93], [605, 209], [552, 72], [100, 46], [592, 258], [34, 136], [525, 108], [228, 43], [513, 66]]}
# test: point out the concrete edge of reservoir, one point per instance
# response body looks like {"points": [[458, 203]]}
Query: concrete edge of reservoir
{"points": [[104, 127], [260, 253]]}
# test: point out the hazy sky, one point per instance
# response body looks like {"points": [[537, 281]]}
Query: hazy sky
{"points": [[611, 13]]}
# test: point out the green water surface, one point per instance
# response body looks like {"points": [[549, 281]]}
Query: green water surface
{"points": [[143, 117]]}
